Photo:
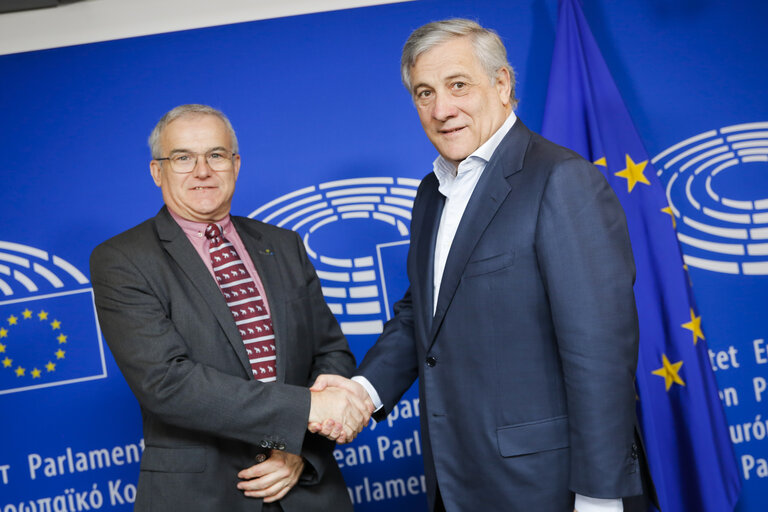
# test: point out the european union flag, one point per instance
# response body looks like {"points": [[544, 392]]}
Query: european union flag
{"points": [[49, 340], [686, 437]]}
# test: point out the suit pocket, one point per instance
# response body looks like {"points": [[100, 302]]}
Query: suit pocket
{"points": [[489, 264], [173, 460], [533, 437]]}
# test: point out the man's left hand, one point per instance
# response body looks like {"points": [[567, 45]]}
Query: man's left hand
{"points": [[273, 478]]}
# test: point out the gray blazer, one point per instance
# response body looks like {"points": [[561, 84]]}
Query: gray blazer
{"points": [[175, 341], [526, 369]]}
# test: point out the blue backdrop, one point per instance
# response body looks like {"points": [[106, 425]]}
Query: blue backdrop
{"points": [[332, 147]]}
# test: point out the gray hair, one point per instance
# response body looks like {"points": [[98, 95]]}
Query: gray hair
{"points": [[182, 111], [489, 49]]}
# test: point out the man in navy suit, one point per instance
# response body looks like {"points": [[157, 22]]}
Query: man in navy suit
{"points": [[520, 319]]}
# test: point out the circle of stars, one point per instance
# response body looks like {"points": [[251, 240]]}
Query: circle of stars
{"points": [[27, 315]]}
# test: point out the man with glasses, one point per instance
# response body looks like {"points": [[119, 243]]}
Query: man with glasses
{"points": [[219, 325]]}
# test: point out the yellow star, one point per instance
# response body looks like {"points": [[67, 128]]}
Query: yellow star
{"points": [[695, 327], [35, 373], [50, 366], [669, 372], [7, 362], [59, 354], [42, 315], [12, 320], [601, 161], [20, 371], [61, 338], [27, 314], [2, 348], [668, 210], [56, 325], [634, 173], [3, 332]]}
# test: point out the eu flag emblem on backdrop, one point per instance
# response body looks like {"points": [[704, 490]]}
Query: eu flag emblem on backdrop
{"points": [[49, 340], [686, 436]]}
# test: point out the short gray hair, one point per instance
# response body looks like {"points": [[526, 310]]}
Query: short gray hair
{"points": [[182, 111], [489, 49]]}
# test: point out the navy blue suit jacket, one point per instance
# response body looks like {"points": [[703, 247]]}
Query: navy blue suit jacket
{"points": [[526, 368]]}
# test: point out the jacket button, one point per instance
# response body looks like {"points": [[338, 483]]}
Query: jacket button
{"points": [[634, 451], [265, 444], [280, 446], [431, 361]]}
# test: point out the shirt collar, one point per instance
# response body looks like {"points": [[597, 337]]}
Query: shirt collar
{"points": [[481, 156], [197, 229]]}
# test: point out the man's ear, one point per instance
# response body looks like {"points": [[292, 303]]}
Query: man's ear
{"points": [[503, 85], [155, 170], [236, 169]]}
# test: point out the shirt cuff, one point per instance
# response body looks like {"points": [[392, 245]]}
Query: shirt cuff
{"points": [[370, 390], [587, 504]]}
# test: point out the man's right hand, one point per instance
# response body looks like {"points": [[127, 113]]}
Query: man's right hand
{"points": [[336, 412]]}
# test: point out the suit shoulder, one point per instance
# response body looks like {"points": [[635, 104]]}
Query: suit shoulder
{"points": [[546, 151]]}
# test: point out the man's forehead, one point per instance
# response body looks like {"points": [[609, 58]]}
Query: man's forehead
{"points": [[197, 127], [455, 52]]}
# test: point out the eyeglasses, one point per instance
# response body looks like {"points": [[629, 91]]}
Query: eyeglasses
{"points": [[185, 162]]}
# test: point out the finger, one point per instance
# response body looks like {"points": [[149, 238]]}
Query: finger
{"points": [[255, 471], [326, 379], [265, 492], [281, 493], [328, 426], [278, 496], [258, 484], [334, 434], [319, 384], [265, 482]]}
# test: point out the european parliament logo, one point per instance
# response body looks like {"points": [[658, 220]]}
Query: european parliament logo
{"points": [[49, 334], [356, 231], [721, 228]]}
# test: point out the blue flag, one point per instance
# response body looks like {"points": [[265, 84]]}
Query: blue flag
{"points": [[684, 427]]}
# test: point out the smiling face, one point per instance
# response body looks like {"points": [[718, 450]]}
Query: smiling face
{"points": [[203, 195], [459, 106]]}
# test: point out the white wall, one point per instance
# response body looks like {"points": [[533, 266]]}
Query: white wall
{"points": [[102, 20]]}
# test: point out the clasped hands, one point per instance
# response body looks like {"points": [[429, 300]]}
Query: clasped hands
{"points": [[340, 408]]}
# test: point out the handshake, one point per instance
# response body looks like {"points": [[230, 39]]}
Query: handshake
{"points": [[340, 408]]}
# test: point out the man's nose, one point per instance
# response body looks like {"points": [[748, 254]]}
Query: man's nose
{"points": [[202, 169], [444, 107]]}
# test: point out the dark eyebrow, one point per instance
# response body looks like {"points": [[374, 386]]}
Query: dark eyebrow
{"points": [[447, 79], [457, 75]]}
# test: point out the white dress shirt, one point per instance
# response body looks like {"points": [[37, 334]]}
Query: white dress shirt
{"points": [[457, 185]]}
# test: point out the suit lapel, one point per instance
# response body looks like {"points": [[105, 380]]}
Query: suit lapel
{"points": [[185, 255], [431, 209], [263, 256], [487, 198]]}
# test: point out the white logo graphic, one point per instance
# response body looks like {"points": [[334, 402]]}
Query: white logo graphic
{"points": [[722, 225], [49, 335], [25, 258], [345, 226]]}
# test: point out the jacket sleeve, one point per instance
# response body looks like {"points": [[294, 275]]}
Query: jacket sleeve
{"points": [[585, 257]]}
